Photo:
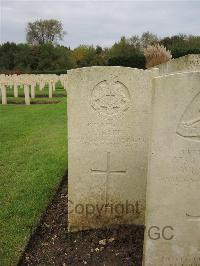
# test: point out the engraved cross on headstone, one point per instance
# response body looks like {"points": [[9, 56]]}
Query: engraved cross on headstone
{"points": [[108, 173]]}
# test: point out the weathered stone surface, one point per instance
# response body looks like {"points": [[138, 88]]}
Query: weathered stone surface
{"points": [[109, 119], [173, 184], [182, 64]]}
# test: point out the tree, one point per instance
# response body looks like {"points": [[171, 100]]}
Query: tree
{"points": [[7, 56], [44, 31], [148, 38], [135, 41], [174, 41], [182, 44], [126, 52], [123, 48], [83, 55]]}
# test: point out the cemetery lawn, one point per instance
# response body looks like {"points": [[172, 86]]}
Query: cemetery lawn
{"points": [[33, 160]]}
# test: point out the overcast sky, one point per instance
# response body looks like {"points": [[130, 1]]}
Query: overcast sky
{"points": [[101, 22]]}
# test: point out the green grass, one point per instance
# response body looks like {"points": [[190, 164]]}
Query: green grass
{"points": [[41, 96], [59, 92], [33, 159], [41, 100]]}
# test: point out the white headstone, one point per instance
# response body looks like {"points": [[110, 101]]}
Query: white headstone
{"points": [[173, 184], [32, 91], [50, 89], [3, 94], [54, 85], [15, 90], [26, 94], [109, 120], [65, 82], [41, 85], [190, 62]]}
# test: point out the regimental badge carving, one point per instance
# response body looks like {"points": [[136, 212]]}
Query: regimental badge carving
{"points": [[189, 125], [110, 97]]}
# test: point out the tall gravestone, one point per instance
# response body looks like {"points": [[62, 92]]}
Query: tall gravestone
{"points": [[109, 119], [27, 94], [32, 85], [15, 89], [173, 184], [3, 94], [50, 89]]}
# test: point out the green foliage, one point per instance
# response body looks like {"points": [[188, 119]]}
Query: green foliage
{"points": [[48, 58], [184, 51], [135, 61], [148, 38], [8, 55], [123, 48], [23, 58], [127, 53], [182, 44], [57, 71], [86, 55]]}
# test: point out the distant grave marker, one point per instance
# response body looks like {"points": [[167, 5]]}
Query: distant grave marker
{"points": [[3, 94], [32, 90], [26, 94], [15, 90]]}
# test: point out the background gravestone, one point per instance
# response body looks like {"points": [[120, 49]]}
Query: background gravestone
{"points": [[32, 86], [3, 93], [26, 94], [51, 89], [190, 62], [173, 184], [109, 119], [15, 90]]}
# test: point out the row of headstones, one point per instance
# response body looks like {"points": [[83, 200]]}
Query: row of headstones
{"points": [[118, 174], [29, 83]]}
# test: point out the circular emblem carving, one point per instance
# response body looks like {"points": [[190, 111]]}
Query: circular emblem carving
{"points": [[110, 98]]}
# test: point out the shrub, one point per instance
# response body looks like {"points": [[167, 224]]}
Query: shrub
{"points": [[156, 54], [184, 51], [135, 61]]}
